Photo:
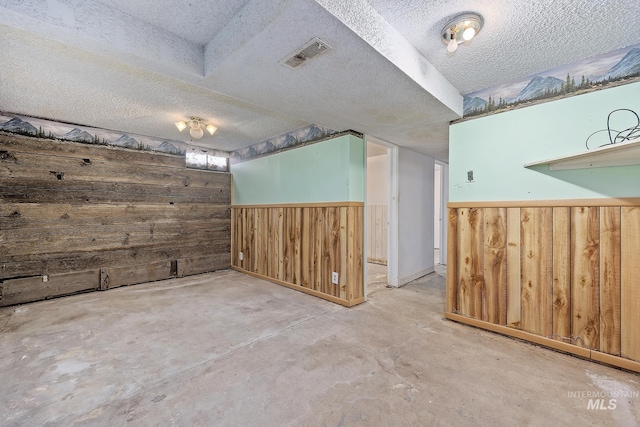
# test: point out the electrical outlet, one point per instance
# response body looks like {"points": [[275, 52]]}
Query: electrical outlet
{"points": [[45, 277], [335, 279], [241, 256]]}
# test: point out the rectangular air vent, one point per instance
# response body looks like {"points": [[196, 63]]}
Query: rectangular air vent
{"points": [[310, 50]]}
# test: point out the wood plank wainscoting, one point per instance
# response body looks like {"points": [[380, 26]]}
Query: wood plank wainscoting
{"points": [[563, 274], [377, 234], [300, 245], [77, 217]]}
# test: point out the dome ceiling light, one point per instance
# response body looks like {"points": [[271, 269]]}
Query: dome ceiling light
{"points": [[461, 29]]}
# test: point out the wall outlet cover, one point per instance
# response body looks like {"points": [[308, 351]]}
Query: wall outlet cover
{"points": [[335, 278], [241, 256]]}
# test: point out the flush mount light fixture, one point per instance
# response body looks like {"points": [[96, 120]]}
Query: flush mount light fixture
{"points": [[196, 124], [460, 29]]}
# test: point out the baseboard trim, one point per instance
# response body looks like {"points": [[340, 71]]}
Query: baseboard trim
{"points": [[405, 280], [331, 298], [575, 350]]}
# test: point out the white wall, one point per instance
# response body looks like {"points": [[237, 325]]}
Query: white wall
{"points": [[377, 185], [416, 174], [437, 220]]}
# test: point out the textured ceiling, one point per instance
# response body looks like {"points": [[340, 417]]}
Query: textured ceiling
{"points": [[518, 38], [139, 66]]}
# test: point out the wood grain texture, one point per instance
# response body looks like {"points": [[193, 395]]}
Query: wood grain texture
{"points": [[67, 149], [571, 272], [28, 289], [585, 311], [377, 231], [40, 166], [134, 274], [80, 192], [610, 280], [551, 343], [562, 274], [204, 264], [614, 201], [537, 290], [452, 262], [68, 207], [304, 246], [49, 215], [514, 273], [629, 289], [494, 301], [470, 264]]}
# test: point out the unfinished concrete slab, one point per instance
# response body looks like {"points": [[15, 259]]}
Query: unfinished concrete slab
{"points": [[228, 349]]}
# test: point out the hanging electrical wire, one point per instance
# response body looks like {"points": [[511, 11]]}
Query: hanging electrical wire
{"points": [[624, 135]]}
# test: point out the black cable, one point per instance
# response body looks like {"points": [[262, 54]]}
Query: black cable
{"points": [[620, 136]]}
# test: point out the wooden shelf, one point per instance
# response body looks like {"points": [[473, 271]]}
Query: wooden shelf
{"points": [[621, 154]]}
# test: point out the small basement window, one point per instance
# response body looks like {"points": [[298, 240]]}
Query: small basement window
{"points": [[207, 162]]}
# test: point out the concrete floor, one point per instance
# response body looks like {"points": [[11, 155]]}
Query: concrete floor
{"points": [[225, 349]]}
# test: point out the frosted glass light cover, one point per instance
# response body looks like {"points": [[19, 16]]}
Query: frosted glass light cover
{"points": [[196, 133], [469, 33]]}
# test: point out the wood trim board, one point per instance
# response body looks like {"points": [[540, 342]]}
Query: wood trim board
{"points": [[625, 201]]}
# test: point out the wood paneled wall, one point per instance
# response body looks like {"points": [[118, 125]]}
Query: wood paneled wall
{"points": [[299, 246], [566, 275], [377, 234], [94, 217]]}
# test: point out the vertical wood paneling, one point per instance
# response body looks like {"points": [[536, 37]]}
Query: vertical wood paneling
{"points": [[287, 245], [306, 246], [514, 274], [537, 315], [261, 243], [357, 287], [452, 260], [279, 242], [629, 289], [297, 247], [610, 280], [303, 245], [562, 273], [343, 238], [470, 250], [585, 322], [494, 302], [376, 238], [251, 240], [319, 251], [572, 273]]}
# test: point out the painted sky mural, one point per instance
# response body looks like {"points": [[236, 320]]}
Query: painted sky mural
{"points": [[617, 67]]}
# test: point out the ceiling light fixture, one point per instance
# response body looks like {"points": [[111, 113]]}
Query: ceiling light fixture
{"points": [[460, 29], [196, 124]]}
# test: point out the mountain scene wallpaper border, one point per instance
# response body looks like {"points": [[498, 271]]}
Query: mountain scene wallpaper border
{"points": [[285, 141], [621, 66], [50, 129]]}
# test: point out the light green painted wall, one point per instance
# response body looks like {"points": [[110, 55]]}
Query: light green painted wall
{"points": [[497, 147], [328, 171]]}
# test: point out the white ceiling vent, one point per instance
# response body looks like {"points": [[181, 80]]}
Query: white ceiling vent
{"points": [[310, 50]]}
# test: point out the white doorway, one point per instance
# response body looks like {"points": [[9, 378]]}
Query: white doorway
{"points": [[437, 213], [377, 217]]}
